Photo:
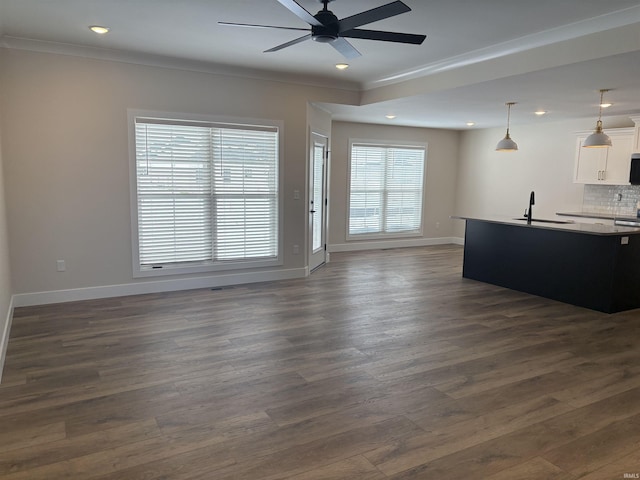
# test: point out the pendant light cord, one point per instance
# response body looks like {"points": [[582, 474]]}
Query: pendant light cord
{"points": [[509, 115], [600, 111]]}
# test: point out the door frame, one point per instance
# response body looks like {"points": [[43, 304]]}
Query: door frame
{"points": [[317, 256]]}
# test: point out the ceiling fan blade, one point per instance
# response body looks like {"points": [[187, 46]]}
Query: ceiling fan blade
{"points": [[295, 8], [288, 44], [380, 13], [251, 25], [345, 48], [384, 36]]}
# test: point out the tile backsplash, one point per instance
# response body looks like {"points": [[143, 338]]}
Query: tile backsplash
{"points": [[611, 199]]}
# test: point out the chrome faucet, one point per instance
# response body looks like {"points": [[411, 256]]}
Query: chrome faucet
{"points": [[529, 213]]}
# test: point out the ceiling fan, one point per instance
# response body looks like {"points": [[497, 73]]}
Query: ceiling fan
{"points": [[327, 28]]}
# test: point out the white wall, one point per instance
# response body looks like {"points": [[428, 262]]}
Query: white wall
{"points": [[442, 168], [499, 183], [66, 162], [5, 276]]}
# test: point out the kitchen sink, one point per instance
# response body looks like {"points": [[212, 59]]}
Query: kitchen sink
{"points": [[542, 220]]}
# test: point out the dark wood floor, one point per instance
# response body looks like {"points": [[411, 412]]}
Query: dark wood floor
{"points": [[383, 364]]}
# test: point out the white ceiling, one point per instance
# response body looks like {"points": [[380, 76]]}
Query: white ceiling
{"points": [[479, 54]]}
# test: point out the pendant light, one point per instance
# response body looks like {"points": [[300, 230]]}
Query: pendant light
{"points": [[598, 139], [506, 144]]}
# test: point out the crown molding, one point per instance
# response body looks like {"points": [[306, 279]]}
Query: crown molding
{"points": [[137, 58], [620, 18]]}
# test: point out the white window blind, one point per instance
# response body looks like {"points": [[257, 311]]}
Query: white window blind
{"points": [[318, 203], [386, 189], [205, 193]]}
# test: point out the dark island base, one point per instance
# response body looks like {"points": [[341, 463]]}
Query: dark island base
{"points": [[593, 271]]}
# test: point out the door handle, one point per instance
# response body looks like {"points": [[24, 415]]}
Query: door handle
{"points": [[312, 211]]}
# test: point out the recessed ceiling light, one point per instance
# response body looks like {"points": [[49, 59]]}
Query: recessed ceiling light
{"points": [[470, 124], [342, 66], [606, 105], [100, 30], [540, 112], [390, 116]]}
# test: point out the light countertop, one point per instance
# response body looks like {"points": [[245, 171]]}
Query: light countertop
{"points": [[603, 216]]}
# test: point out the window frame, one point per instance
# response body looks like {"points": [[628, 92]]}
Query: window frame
{"points": [[386, 144], [140, 271]]}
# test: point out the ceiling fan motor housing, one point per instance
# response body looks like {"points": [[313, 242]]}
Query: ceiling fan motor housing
{"points": [[329, 30]]}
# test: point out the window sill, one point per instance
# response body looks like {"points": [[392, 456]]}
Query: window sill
{"points": [[383, 236], [191, 268]]}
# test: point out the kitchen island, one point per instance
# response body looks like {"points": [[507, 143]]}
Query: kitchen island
{"points": [[589, 265]]}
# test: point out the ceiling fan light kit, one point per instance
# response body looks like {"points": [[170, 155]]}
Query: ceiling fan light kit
{"points": [[598, 139], [507, 144], [327, 28]]}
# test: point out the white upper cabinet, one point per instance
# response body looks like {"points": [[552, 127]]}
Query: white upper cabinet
{"points": [[591, 163], [609, 166]]}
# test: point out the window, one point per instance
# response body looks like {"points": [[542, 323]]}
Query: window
{"points": [[206, 195], [386, 190]]}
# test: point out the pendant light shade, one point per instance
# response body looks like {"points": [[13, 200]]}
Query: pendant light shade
{"points": [[598, 139], [507, 144]]}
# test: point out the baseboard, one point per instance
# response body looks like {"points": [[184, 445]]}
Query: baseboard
{"points": [[158, 286], [4, 336], [457, 240], [395, 243]]}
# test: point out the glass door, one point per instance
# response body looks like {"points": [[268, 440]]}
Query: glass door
{"points": [[317, 201]]}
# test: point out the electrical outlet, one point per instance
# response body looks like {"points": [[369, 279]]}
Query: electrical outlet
{"points": [[61, 265], [296, 249]]}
